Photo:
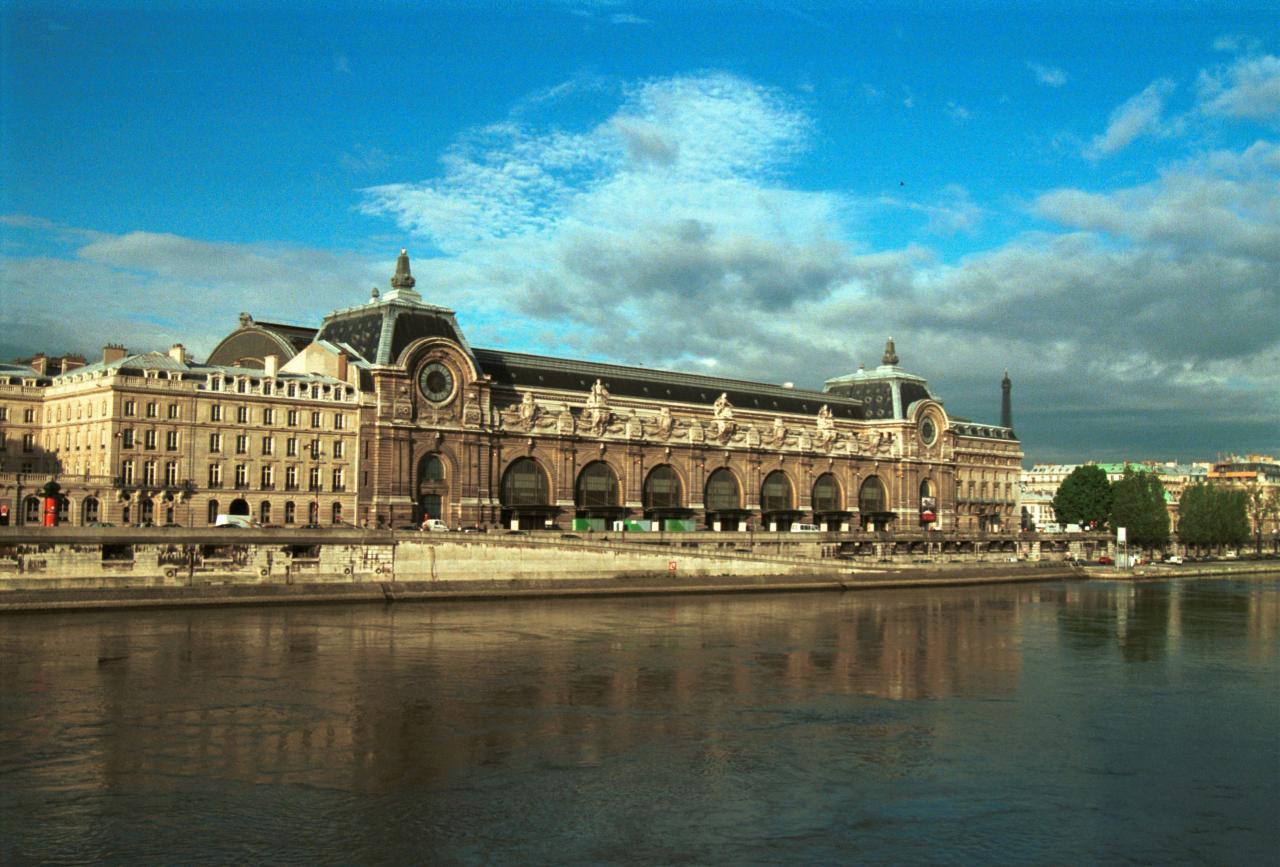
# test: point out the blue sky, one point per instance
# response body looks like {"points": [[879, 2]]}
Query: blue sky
{"points": [[1087, 197]]}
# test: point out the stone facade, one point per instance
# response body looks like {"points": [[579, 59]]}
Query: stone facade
{"points": [[432, 427], [157, 439]]}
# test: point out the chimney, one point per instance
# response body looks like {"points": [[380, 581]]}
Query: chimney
{"points": [[1006, 401], [342, 365], [40, 363], [113, 352], [71, 362], [178, 352], [271, 365]]}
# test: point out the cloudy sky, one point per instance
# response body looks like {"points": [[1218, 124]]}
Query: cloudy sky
{"points": [[1087, 198]]}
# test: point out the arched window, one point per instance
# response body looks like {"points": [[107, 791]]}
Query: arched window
{"points": [[826, 494], [337, 513], [64, 509], [871, 498], [723, 493], [290, 512], [524, 484], [662, 489], [775, 493], [926, 488], [89, 511], [597, 486], [264, 512], [147, 512], [31, 513], [431, 469]]}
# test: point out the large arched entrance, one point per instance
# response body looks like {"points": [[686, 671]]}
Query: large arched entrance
{"points": [[239, 506], [723, 501], [828, 504], [778, 502], [433, 488], [597, 498], [525, 496], [663, 500], [873, 505]]}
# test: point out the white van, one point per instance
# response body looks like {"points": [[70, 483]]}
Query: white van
{"points": [[435, 525], [241, 522], [805, 528]]}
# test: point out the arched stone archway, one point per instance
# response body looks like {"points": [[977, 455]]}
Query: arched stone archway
{"points": [[723, 501], [873, 505], [525, 495], [597, 497], [432, 492], [778, 501], [663, 499]]}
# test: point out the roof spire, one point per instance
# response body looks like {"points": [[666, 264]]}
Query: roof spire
{"points": [[402, 281], [890, 357]]}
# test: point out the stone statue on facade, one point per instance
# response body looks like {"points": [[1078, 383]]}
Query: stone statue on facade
{"points": [[826, 427], [599, 395], [665, 423], [597, 416], [528, 410], [564, 421], [723, 412], [779, 434]]}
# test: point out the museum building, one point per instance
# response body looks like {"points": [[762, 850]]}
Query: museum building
{"points": [[487, 437]]}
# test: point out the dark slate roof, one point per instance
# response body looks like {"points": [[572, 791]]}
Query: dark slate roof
{"points": [[379, 331], [537, 371]]}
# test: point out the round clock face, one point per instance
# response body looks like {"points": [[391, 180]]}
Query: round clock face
{"points": [[436, 382], [928, 433]]}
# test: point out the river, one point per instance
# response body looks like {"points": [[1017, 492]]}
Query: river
{"points": [[1054, 723]]}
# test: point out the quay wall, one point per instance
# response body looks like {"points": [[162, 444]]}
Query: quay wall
{"points": [[72, 567]]}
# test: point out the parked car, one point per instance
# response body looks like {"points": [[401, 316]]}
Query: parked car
{"points": [[312, 527], [1175, 560], [1104, 560], [435, 525]]}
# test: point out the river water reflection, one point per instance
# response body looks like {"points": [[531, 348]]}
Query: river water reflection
{"points": [[1062, 723]]}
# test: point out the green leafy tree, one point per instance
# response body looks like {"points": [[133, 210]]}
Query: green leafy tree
{"points": [[1138, 505], [1213, 516], [1084, 497]]}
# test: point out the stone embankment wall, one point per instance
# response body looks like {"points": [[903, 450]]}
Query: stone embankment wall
{"points": [[108, 567], [144, 563]]}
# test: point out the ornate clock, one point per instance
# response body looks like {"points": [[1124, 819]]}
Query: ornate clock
{"points": [[928, 432], [436, 382]]}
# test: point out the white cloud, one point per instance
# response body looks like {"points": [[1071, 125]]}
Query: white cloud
{"points": [[1247, 88], [153, 289], [952, 212], [1050, 76], [956, 111], [627, 18], [666, 234], [1137, 116]]}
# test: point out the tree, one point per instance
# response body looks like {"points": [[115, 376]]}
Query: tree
{"points": [[1258, 505], [1213, 515], [1084, 497], [1138, 505]]}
